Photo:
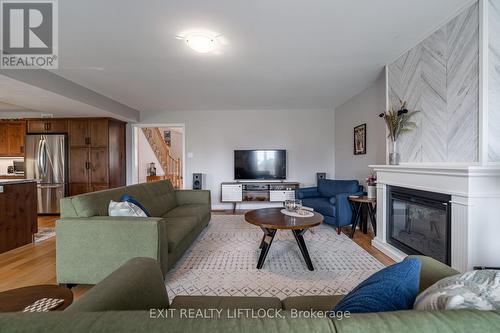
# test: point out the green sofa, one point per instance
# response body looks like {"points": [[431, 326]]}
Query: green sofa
{"points": [[122, 302], [90, 244]]}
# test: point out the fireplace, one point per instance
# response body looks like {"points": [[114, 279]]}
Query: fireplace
{"points": [[462, 200], [419, 222]]}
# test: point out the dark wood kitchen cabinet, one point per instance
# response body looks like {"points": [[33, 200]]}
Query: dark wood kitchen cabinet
{"points": [[48, 125], [97, 154], [78, 165], [12, 135], [99, 136], [4, 140], [99, 165], [78, 132], [16, 133]]}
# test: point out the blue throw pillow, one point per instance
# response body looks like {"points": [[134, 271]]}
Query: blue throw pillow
{"points": [[129, 198], [391, 289]]}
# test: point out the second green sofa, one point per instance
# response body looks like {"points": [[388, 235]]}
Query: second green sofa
{"points": [[90, 244], [134, 299]]}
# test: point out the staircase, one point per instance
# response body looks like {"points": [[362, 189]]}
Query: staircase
{"points": [[170, 165]]}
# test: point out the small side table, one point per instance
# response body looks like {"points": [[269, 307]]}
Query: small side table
{"points": [[358, 204], [16, 300]]}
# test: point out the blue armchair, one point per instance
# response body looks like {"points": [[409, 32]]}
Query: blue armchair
{"points": [[331, 199]]}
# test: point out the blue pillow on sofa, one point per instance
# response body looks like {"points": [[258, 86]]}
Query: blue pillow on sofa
{"points": [[129, 198], [391, 289]]}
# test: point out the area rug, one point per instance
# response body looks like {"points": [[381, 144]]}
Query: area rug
{"points": [[44, 234], [222, 262]]}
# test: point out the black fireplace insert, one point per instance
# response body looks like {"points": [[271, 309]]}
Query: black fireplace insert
{"points": [[420, 222]]}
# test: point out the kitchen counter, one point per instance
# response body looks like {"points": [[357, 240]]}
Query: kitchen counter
{"points": [[11, 176], [17, 181]]}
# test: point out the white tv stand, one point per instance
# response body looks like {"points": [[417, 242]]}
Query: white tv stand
{"points": [[257, 191]]}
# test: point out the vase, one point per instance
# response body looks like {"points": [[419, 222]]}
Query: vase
{"points": [[371, 191], [394, 153]]}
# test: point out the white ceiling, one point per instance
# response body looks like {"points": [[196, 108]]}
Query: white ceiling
{"points": [[281, 53], [10, 107], [25, 99]]}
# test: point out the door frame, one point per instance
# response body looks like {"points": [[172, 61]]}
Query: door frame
{"points": [[135, 156]]}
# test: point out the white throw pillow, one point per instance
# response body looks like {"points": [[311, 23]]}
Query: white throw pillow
{"points": [[478, 290], [125, 208]]}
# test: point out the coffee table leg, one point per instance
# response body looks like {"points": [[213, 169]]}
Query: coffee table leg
{"points": [[302, 246], [267, 240], [262, 241]]}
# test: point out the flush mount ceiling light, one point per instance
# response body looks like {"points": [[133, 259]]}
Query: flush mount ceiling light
{"points": [[201, 42]]}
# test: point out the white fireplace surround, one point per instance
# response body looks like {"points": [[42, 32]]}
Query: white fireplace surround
{"points": [[475, 208]]}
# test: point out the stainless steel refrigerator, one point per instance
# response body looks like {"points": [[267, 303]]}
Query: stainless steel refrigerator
{"points": [[46, 160]]}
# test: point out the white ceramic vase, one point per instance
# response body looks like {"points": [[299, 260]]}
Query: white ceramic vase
{"points": [[371, 191]]}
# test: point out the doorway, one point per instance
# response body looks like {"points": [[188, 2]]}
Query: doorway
{"points": [[158, 153]]}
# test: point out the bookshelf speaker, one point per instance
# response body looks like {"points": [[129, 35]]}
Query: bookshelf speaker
{"points": [[197, 181]]}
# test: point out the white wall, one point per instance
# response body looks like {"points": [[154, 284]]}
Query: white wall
{"points": [[362, 108], [212, 136]]}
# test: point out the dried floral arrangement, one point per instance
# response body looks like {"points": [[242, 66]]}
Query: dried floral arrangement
{"points": [[398, 120]]}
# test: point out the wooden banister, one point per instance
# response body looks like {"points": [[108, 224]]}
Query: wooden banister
{"points": [[170, 165]]}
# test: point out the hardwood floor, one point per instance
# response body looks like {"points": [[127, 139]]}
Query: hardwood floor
{"points": [[33, 263], [36, 263], [47, 221]]}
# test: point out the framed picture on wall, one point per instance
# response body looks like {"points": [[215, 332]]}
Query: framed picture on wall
{"points": [[167, 136], [360, 139]]}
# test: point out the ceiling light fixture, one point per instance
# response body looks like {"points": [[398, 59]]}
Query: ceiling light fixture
{"points": [[201, 42]]}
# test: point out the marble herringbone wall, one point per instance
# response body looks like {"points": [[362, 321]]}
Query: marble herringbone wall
{"points": [[440, 77], [494, 81]]}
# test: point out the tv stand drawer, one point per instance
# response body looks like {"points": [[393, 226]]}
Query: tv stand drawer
{"points": [[281, 196], [232, 192]]}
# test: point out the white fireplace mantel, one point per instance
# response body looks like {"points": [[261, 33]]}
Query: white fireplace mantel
{"points": [[475, 208]]}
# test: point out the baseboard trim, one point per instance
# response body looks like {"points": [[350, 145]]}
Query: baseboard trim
{"points": [[389, 250], [246, 205]]}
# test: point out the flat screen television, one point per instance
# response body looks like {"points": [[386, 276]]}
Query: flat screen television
{"points": [[260, 164]]}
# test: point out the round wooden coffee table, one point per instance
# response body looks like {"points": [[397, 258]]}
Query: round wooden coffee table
{"points": [[271, 220], [16, 300]]}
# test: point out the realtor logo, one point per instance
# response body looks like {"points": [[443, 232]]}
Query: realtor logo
{"points": [[29, 34]]}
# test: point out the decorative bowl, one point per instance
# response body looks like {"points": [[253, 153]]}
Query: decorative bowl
{"points": [[293, 205]]}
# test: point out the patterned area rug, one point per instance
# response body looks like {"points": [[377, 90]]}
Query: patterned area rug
{"points": [[44, 234], [222, 262]]}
